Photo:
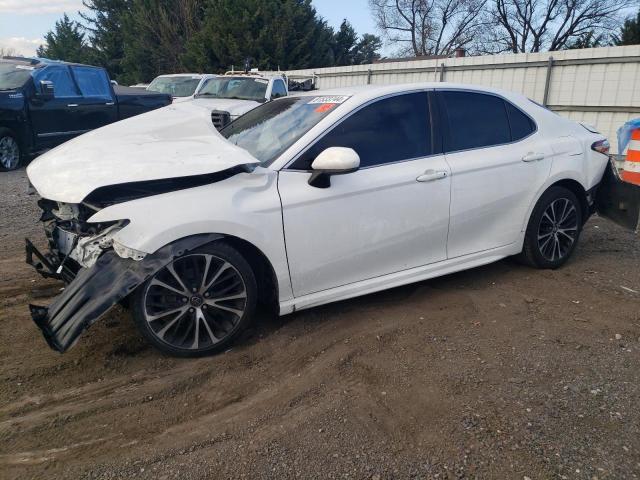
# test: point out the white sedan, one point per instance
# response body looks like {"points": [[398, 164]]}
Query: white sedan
{"points": [[303, 201]]}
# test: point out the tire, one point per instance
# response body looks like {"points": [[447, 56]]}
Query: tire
{"points": [[199, 304], [10, 155], [553, 230]]}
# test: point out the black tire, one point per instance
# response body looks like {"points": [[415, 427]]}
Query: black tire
{"points": [[553, 230], [10, 153], [223, 296]]}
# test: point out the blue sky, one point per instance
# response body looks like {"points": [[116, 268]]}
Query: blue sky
{"points": [[23, 23]]}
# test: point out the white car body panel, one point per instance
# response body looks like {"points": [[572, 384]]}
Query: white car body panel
{"points": [[372, 229], [234, 107], [246, 206], [177, 140], [381, 221]]}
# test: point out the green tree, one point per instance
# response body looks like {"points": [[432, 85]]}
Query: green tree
{"points": [[272, 34], [345, 40], [629, 32], [65, 42], [104, 22], [588, 40], [157, 34], [368, 49]]}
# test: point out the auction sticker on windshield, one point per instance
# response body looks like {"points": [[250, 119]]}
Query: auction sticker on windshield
{"points": [[332, 99]]}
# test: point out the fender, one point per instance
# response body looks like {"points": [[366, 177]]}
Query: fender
{"points": [[95, 290]]}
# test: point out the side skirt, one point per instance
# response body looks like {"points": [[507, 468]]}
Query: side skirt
{"points": [[398, 279]]}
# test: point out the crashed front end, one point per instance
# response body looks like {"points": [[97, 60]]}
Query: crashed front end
{"points": [[98, 270], [73, 242]]}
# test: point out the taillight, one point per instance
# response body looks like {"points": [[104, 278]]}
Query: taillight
{"points": [[601, 146]]}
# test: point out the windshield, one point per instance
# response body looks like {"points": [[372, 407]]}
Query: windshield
{"points": [[14, 75], [267, 131], [240, 88], [178, 86]]}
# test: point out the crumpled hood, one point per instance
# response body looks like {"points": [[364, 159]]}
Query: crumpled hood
{"points": [[174, 141], [234, 107]]}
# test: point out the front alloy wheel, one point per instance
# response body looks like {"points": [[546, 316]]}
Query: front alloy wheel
{"points": [[198, 303], [9, 153]]}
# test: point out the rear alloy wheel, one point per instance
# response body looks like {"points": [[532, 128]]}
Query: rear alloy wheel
{"points": [[9, 152], [553, 230], [198, 304]]}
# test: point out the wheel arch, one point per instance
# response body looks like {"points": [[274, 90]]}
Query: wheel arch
{"points": [[578, 190], [268, 292]]}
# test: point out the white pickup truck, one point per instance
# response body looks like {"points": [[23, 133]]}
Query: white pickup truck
{"points": [[235, 93]]}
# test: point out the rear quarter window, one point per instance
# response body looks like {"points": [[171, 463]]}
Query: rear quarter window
{"points": [[521, 125]]}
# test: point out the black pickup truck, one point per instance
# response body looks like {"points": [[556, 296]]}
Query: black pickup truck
{"points": [[44, 103]]}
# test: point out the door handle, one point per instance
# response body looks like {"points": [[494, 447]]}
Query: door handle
{"points": [[431, 175], [533, 157], [72, 105], [110, 103]]}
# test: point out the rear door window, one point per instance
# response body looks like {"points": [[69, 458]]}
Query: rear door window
{"points": [[93, 82], [390, 130], [474, 120]]}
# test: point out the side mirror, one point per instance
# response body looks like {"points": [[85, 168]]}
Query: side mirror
{"points": [[333, 161], [47, 90]]}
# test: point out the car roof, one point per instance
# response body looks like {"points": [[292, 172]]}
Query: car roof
{"points": [[198, 75], [39, 62], [362, 93]]}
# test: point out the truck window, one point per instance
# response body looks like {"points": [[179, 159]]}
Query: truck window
{"points": [[93, 82], [61, 78], [278, 89]]}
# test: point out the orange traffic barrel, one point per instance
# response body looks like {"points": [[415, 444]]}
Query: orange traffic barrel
{"points": [[631, 172]]}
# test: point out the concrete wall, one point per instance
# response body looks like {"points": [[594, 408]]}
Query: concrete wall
{"points": [[600, 86]]}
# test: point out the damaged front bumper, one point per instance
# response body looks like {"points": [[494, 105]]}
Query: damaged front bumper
{"points": [[94, 290]]}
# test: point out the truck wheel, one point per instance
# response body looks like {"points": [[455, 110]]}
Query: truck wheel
{"points": [[9, 151], [198, 304], [553, 230]]}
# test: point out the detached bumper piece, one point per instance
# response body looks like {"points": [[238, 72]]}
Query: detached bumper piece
{"points": [[95, 290], [617, 200]]}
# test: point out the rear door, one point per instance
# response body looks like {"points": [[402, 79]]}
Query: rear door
{"points": [[498, 163], [96, 107], [54, 120]]}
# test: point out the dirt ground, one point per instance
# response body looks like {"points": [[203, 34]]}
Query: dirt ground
{"points": [[498, 372]]}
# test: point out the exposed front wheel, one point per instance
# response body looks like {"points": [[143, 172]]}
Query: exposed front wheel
{"points": [[199, 303], [553, 230], [9, 151]]}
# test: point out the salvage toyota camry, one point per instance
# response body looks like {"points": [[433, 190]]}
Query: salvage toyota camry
{"points": [[303, 201]]}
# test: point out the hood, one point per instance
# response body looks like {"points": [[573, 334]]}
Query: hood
{"points": [[234, 107], [174, 141]]}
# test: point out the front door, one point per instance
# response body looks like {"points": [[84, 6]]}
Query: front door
{"points": [[389, 216], [497, 165], [54, 120]]}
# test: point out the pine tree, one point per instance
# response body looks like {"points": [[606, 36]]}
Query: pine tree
{"points": [[345, 41], [367, 49], [629, 32], [104, 24], [65, 42]]}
